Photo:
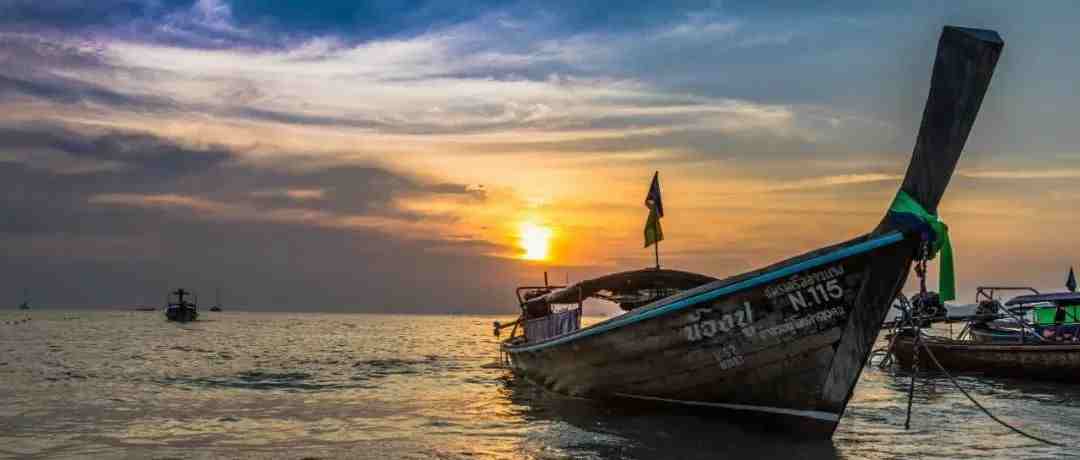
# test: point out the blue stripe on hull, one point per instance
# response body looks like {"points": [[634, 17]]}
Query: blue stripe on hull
{"points": [[842, 253]]}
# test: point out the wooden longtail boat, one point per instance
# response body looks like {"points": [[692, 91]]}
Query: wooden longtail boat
{"points": [[786, 342], [1033, 336], [1045, 361]]}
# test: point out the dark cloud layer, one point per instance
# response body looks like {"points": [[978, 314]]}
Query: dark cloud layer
{"points": [[259, 266], [75, 251]]}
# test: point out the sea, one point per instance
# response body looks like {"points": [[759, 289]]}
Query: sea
{"points": [[126, 384]]}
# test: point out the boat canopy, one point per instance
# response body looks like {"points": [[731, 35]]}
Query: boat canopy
{"points": [[624, 288], [1064, 298]]}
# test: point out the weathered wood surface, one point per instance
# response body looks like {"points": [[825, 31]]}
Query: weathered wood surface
{"points": [[881, 287], [769, 345], [1043, 362]]}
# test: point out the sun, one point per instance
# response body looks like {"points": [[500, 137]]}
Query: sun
{"points": [[535, 241]]}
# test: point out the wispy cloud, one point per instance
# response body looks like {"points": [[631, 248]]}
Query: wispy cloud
{"points": [[299, 194], [1062, 173], [831, 181]]}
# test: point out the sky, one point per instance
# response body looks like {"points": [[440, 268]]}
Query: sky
{"points": [[427, 157]]}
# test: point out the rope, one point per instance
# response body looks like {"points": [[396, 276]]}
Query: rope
{"points": [[911, 386], [980, 406], [887, 352], [920, 271]]}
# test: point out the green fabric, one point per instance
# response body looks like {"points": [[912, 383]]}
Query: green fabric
{"points": [[905, 204], [653, 233], [1044, 316]]}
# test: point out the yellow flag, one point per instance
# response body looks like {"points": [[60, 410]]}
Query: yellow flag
{"points": [[653, 232]]}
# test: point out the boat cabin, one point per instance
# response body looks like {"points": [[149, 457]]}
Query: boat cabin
{"points": [[1030, 318], [551, 311], [1042, 309]]}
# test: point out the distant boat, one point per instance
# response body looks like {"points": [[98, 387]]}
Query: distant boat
{"points": [[1058, 361], [141, 306], [1035, 336], [1027, 318], [217, 301], [25, 305], [180, 309], [784, 344]]}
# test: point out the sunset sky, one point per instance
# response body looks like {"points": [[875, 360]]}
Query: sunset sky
{"points": [[424, 156]]}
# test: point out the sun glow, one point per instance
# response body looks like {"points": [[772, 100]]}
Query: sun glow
{"points": [[535, 241]]}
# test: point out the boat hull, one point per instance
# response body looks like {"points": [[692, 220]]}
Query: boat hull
{"points": [[182, 315], [984, 334], [1058, 362], [786, 343]]}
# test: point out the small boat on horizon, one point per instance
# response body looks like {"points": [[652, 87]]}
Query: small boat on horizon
{"points": [[25, 305], [217, 301], [143, 306], [178, 308], [785, 344]]}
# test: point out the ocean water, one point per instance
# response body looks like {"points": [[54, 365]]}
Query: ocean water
{"points": [[82, 384]]}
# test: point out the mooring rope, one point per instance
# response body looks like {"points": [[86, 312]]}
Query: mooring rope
{"points": [[915, 324], [886, 353], [920, 272], [980, 406]]}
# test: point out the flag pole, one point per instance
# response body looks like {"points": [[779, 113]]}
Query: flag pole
{"points": [[656, 250]]}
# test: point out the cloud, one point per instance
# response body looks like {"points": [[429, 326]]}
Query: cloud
{"points": [[152, 157], [162, 200], [199, 216], [68, 91], [1062, 173], [259, 266], [297, 194], [117, 167], [831, 181], [132, 78]]}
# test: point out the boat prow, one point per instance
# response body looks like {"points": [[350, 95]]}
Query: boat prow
{"points": [[787, 342]]}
